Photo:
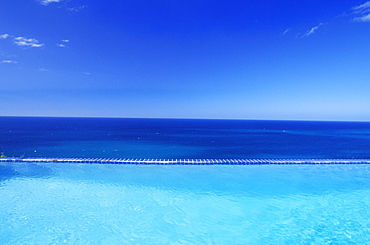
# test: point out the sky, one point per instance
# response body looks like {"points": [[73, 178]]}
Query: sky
{"points": [[235, 59]]}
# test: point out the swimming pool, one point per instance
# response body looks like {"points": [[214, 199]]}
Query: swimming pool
{"points": [[78, 203]]}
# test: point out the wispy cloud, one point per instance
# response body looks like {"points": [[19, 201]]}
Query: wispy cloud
{"points": [[66, 4], [9, 62], [4, 36], [43, 69], [361, 7], [63, 44], [286, 31], [312, 30], [362, 12], [23, 41], [78, 8], [365, 18], [28, 42], [47, 2]]}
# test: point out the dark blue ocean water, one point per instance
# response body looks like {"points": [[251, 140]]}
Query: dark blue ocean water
{"points": [[182, 138]]}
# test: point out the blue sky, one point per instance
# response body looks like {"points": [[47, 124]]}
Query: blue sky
{"points": [[306, 60]]}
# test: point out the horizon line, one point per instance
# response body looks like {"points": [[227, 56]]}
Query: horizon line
{"points": [[192, 118]]}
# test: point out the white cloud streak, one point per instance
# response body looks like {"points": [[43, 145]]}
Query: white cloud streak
{"points": [[286, 31], [47, 2], [66, 4], [28, 42], [362, 11], [76, 9], [364, 6], [63, 44], [365, 18], [9, 62], [4, 36], [312, 30]]}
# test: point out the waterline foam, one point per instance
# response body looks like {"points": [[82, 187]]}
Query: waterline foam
{"points": [[187, 161]]}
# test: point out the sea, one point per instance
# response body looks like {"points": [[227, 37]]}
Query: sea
{"points": [[56, 202], [182, 138]]}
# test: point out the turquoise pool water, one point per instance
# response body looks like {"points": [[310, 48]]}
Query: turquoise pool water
{"points": [[56, 203]]}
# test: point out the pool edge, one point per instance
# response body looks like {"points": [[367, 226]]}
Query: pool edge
{"points": [[186, 161]]}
